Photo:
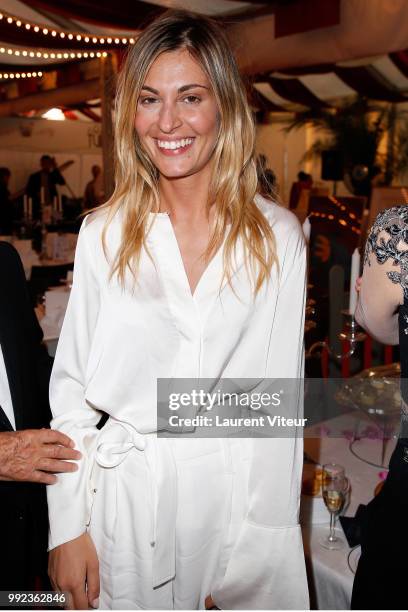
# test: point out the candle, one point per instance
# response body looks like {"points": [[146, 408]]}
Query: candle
{"points": [[25, 199], [307, 229], [355, 273]]}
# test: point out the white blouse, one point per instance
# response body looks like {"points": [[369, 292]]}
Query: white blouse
{"points": [[115, 343]]}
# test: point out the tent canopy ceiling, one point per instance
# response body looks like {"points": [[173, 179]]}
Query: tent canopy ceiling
{"points": [[128, 17], [286, 68]]}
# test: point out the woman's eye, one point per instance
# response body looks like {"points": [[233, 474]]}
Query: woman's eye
{"points": [[147, 101], [192, 99]]}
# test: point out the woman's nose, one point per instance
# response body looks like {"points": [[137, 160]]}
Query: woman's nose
{"points": [[169, 119]]}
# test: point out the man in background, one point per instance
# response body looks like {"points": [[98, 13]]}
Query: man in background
{"points": [[304, 181], [41, 186], [30, 457], [94, 194]]}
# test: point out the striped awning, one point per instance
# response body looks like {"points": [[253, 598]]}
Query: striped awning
{"points": [[383, 78]]}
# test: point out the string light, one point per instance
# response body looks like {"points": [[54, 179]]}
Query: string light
{"points": [[330, 217], [48, 54], [335, 201], [18, 22], [20, 75]]}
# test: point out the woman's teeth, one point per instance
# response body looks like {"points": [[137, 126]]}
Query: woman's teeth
{"points": [[174, 144]]}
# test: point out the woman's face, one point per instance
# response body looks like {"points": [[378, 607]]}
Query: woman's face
{"points": [[177, 116]]}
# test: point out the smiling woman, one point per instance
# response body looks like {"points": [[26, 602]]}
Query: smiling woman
{"points": [[181, 80], [185, 273], [178, 126]]}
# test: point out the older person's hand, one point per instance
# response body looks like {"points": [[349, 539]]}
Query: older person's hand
{"points": [[35, 455]]}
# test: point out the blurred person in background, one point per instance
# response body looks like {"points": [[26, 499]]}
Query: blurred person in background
{"points": [[382, 309], [42, 184], [94, 194], [304, 181]]}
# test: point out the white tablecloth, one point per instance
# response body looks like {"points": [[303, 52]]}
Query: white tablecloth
{"points": [[56, 301], [330, 577], [60, 250]]}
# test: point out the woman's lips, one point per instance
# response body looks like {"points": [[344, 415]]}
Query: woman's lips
{"points": [[174, 152]]}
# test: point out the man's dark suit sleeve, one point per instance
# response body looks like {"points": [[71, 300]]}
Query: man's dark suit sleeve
{"points": [[13, 282]]}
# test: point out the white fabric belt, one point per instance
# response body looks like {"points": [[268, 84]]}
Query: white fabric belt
{"points": [[114, 442]]}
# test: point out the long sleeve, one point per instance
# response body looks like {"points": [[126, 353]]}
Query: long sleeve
{"points": [[266, 569], [384, 280], [69, 498]]}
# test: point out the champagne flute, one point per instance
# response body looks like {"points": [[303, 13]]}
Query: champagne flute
{"points": [[334, 487]]}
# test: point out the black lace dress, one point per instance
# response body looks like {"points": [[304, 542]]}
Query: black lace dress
{"points": [[381, 581]]}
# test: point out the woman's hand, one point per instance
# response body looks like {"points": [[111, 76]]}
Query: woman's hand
{"points": [[73, 567], [209, 603]]}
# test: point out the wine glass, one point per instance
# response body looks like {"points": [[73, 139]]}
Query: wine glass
{"points": [[334, 487]]}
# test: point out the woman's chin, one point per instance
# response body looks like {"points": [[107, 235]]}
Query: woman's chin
{"points": [[176, 173]]}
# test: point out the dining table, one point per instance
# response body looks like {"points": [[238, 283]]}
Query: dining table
{"points": [[331, 572], [60, 250]]}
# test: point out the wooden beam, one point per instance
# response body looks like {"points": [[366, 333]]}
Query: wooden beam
{"points": [[63, 96]]}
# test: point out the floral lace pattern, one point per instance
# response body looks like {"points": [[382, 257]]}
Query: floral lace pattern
{"points": [[393, 221]]}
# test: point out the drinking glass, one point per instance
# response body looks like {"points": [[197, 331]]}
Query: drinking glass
{"points": [[335, 487]]}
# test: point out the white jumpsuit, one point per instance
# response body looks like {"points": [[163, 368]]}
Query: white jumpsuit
{"points": [[173, 519]]}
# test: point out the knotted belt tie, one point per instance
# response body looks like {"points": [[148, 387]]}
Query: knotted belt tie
{"points": [[114, 443]]}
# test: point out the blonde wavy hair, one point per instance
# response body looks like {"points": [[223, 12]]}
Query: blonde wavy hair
{"points": [[234, 185]]}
